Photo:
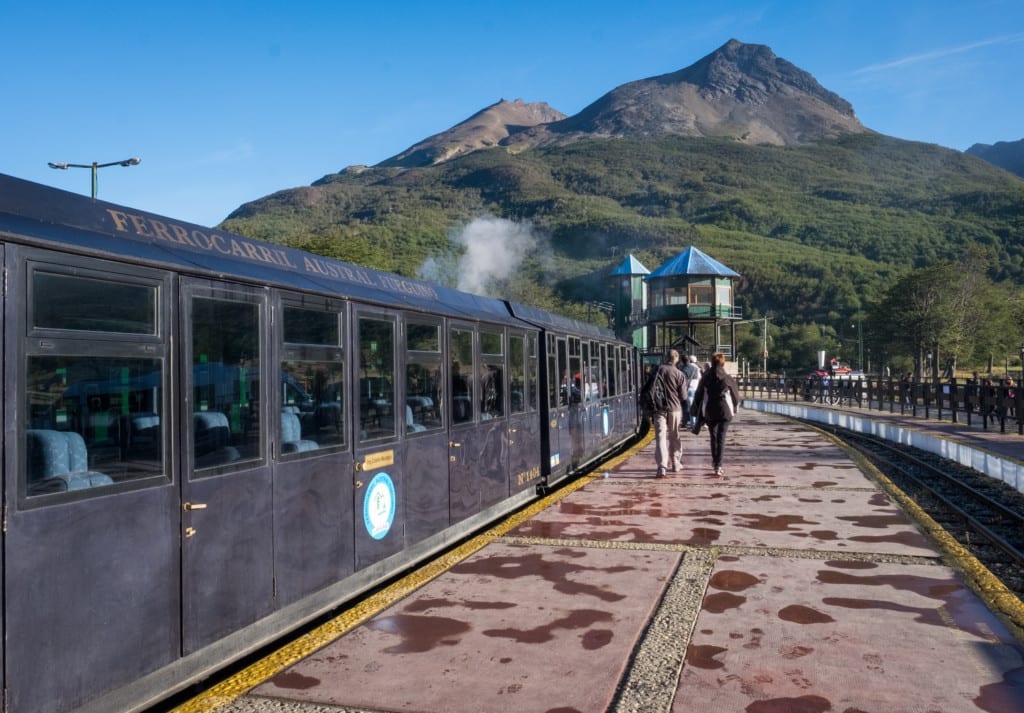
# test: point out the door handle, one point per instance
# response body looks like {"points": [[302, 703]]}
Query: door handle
{"points": [[190, 531], [194, 506], [453, 444]]}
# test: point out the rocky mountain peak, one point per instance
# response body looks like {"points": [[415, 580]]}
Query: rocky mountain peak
{"points": [[739, 91], [488, 127]]}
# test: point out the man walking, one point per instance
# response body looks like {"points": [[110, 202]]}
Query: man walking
{"points": [[692, 373], [665, 393]]}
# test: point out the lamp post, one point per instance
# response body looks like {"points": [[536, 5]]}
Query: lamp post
{"points": [[95, 167], [860, 343]]}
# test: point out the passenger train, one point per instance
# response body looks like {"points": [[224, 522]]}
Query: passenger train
{"points": [[209, 440]]}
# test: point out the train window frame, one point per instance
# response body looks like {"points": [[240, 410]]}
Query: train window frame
{"points": [[532, 373], [118, 351], [575, 370], [426, 410], [492, 373], [241, 296], [518, 380], [87, 270], [461, 373], [330, 356], [380, 412]]}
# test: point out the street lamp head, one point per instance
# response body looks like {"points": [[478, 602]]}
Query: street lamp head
{"points": [[135, 161], [62, 166]]}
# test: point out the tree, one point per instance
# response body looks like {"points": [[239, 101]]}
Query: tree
{"points": [[953, 306]]}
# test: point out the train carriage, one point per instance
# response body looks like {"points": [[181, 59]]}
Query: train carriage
{"points": [[209, 440]]}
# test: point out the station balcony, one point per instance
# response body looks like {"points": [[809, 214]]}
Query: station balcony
{"points": [[686, 313]]}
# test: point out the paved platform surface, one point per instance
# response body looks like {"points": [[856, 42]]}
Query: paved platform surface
{"points": [[794, 584]]}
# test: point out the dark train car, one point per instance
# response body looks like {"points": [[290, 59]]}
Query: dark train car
{"points": [[209, 440], [590, 404]]}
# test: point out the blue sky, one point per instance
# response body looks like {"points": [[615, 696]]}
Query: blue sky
{"points": [[228, 101]]}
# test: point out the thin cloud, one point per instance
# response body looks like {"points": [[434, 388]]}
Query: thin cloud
{"points": [[938, 54], [232, 154]]}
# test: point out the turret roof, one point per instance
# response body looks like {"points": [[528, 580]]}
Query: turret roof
{"points": [[631, 266], [693, 262]]}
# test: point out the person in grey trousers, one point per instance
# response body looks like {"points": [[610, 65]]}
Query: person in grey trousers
{"points": [[668, 447]]}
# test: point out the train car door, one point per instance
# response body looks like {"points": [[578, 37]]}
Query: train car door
{"points": [[478, 457], [312, 489], [524, 435], [227, 519], [425, 444], [559, 393], [378, 489], [91, 558]]}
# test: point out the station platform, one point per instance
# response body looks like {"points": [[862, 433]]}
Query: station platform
{"points": [[795, 584]]}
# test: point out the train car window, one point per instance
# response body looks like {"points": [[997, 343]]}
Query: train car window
{"points": [[424, 379], [460, 349], [625, 374], [554, 392], [312, 382], [607, 388], [93, 392], [574, 375], [532, 373], [86, 304], [92, 422], [594, 371], [308, 326], [517, 374], [226, 383], [376, 379], [492, 375]]}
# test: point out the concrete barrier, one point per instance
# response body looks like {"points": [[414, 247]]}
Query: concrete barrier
{"points": [[1000, 467]]}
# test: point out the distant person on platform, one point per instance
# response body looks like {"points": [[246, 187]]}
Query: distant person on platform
{"points": [[717, 398], [668, 416], [692, 373]]}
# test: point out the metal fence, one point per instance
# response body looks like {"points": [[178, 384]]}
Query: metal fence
{"points": [[993, 406]]}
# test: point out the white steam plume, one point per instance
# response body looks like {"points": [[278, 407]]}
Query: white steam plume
{"points": [[493, 249]]}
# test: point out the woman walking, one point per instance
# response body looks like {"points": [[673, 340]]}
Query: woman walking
{"points": [[717, 399]]}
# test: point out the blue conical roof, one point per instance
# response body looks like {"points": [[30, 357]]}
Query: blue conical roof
{"points": [[631, 266], [693, 262]]}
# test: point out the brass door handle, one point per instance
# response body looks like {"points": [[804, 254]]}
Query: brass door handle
{"points": [[453, 444], [194, 506]]}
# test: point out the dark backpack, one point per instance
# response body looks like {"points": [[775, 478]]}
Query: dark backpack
{"points": [[654, 397]]}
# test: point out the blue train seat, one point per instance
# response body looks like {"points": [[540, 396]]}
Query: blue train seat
{"points": [[212, 439], [58, 461], [291, 434]]}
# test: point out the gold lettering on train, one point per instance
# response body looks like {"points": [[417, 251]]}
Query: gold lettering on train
{"points": [[378, 460], [151, 229], [528, 475]]}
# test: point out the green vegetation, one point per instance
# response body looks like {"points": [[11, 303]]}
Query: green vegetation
{"points": [[821, 234]]}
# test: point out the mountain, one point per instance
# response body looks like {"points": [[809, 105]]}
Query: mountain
{"points": [[740, 91], [1005, 154], [742, 154], [488, 127]]}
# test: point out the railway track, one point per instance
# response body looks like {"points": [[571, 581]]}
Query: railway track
{"points": [[984, 515]]}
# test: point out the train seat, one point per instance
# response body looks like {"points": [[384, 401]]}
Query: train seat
{"points": [[144, 434], [291, 435], [212, 439], [58, 461], [410, 424]]}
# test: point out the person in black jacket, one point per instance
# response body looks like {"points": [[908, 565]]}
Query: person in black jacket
{"points": [[717, 399]]}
